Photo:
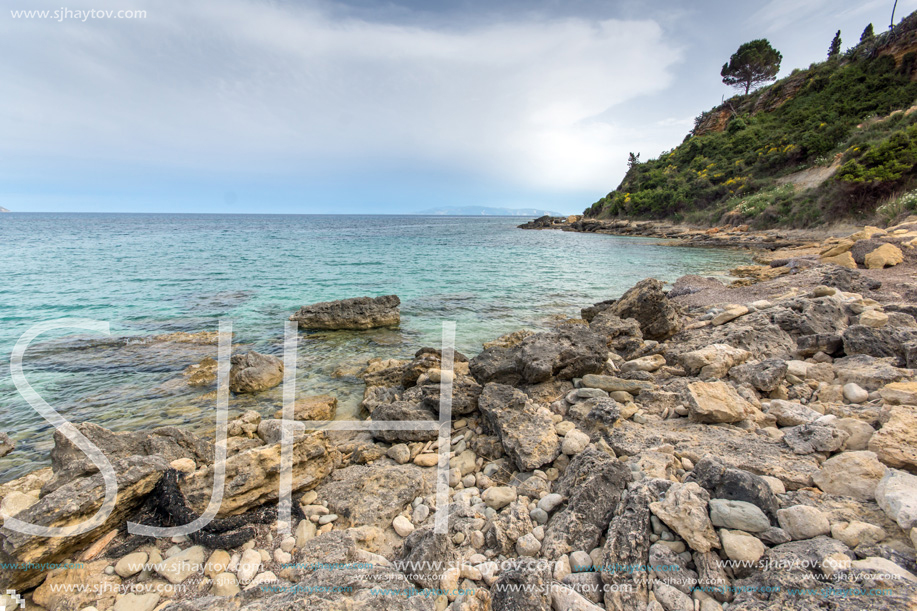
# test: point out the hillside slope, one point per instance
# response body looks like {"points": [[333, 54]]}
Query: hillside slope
{"points": [[836, 140]]}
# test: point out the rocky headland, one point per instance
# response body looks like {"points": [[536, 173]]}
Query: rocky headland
{"points": [[684, 448]]}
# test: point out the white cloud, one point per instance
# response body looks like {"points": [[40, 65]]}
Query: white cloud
{"points": [[239, 85]]}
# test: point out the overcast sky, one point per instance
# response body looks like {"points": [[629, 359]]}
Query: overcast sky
{"points": [[368, 106]]}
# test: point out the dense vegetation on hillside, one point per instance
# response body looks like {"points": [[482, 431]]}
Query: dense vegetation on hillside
{"points": [[743, 158]]}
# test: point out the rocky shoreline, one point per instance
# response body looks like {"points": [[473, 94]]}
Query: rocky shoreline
{"points": [[708, 447]]}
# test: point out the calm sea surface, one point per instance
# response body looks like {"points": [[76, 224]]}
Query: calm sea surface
{"points": [[150, 275]]}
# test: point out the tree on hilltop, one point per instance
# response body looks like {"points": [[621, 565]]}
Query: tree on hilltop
{"points": [[868, 34], [835, 49], [755, 62]]}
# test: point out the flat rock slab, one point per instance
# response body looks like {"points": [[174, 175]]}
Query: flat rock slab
{"points": [[734, 447], [356, 313]]}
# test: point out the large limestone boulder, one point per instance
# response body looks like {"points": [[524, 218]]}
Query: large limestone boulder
{"points": [[355, 313], [650, 306], [844, 259], [896, 495], [253, 372], [900, 393], [714, 402], [171, 443], [887, 255], [570, 352], [684, 510], [896, 442], [525, 428], [253, 476], [854, 474], [69, 505], [319, 407]]}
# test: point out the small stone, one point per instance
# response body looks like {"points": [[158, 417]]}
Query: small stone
{"points": [[803, 522], [224, 584], [180, 566], [183, 465], [873, 318], [738, 515], [217, 563], [477, 539], [528, 545], [856, 533], [426, 460], [776, 486], [575, 442], [740, 546], [248, 566], [580, 562], [288, 544], [402, 526], [130, 564], [137, 602], [327, 519], [855, 394], [499, 497], [563, 427], [304, 531], [282, 557], [400, 453], [458, 538], [539, 515]]}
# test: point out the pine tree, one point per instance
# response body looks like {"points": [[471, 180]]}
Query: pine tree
{"points": [[868, 34], [754, 63], [835, 49]]}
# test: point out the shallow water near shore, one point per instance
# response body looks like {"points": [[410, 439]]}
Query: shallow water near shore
{"points": [[152, 275]]}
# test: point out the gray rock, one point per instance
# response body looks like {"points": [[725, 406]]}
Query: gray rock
{"points": [[253, 372], [809, 438], [526, 430], [789, 413], [650, 307], [671, 569], [725, 482], [522, 587], [327, 588], [374, 495], [738, 515], [593, 484], [465, 394], [621, 335], [399, 411], [171, 443], [627, 544], [7, 445], [354, 313], [570, 352], [883, 342], [425, 548], [764, 375]]}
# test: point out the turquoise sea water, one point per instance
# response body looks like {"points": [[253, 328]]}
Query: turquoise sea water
{"points": [[149, 275]]}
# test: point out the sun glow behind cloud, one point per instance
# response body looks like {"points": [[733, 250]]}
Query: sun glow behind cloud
{"points": [[241, 86]]}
